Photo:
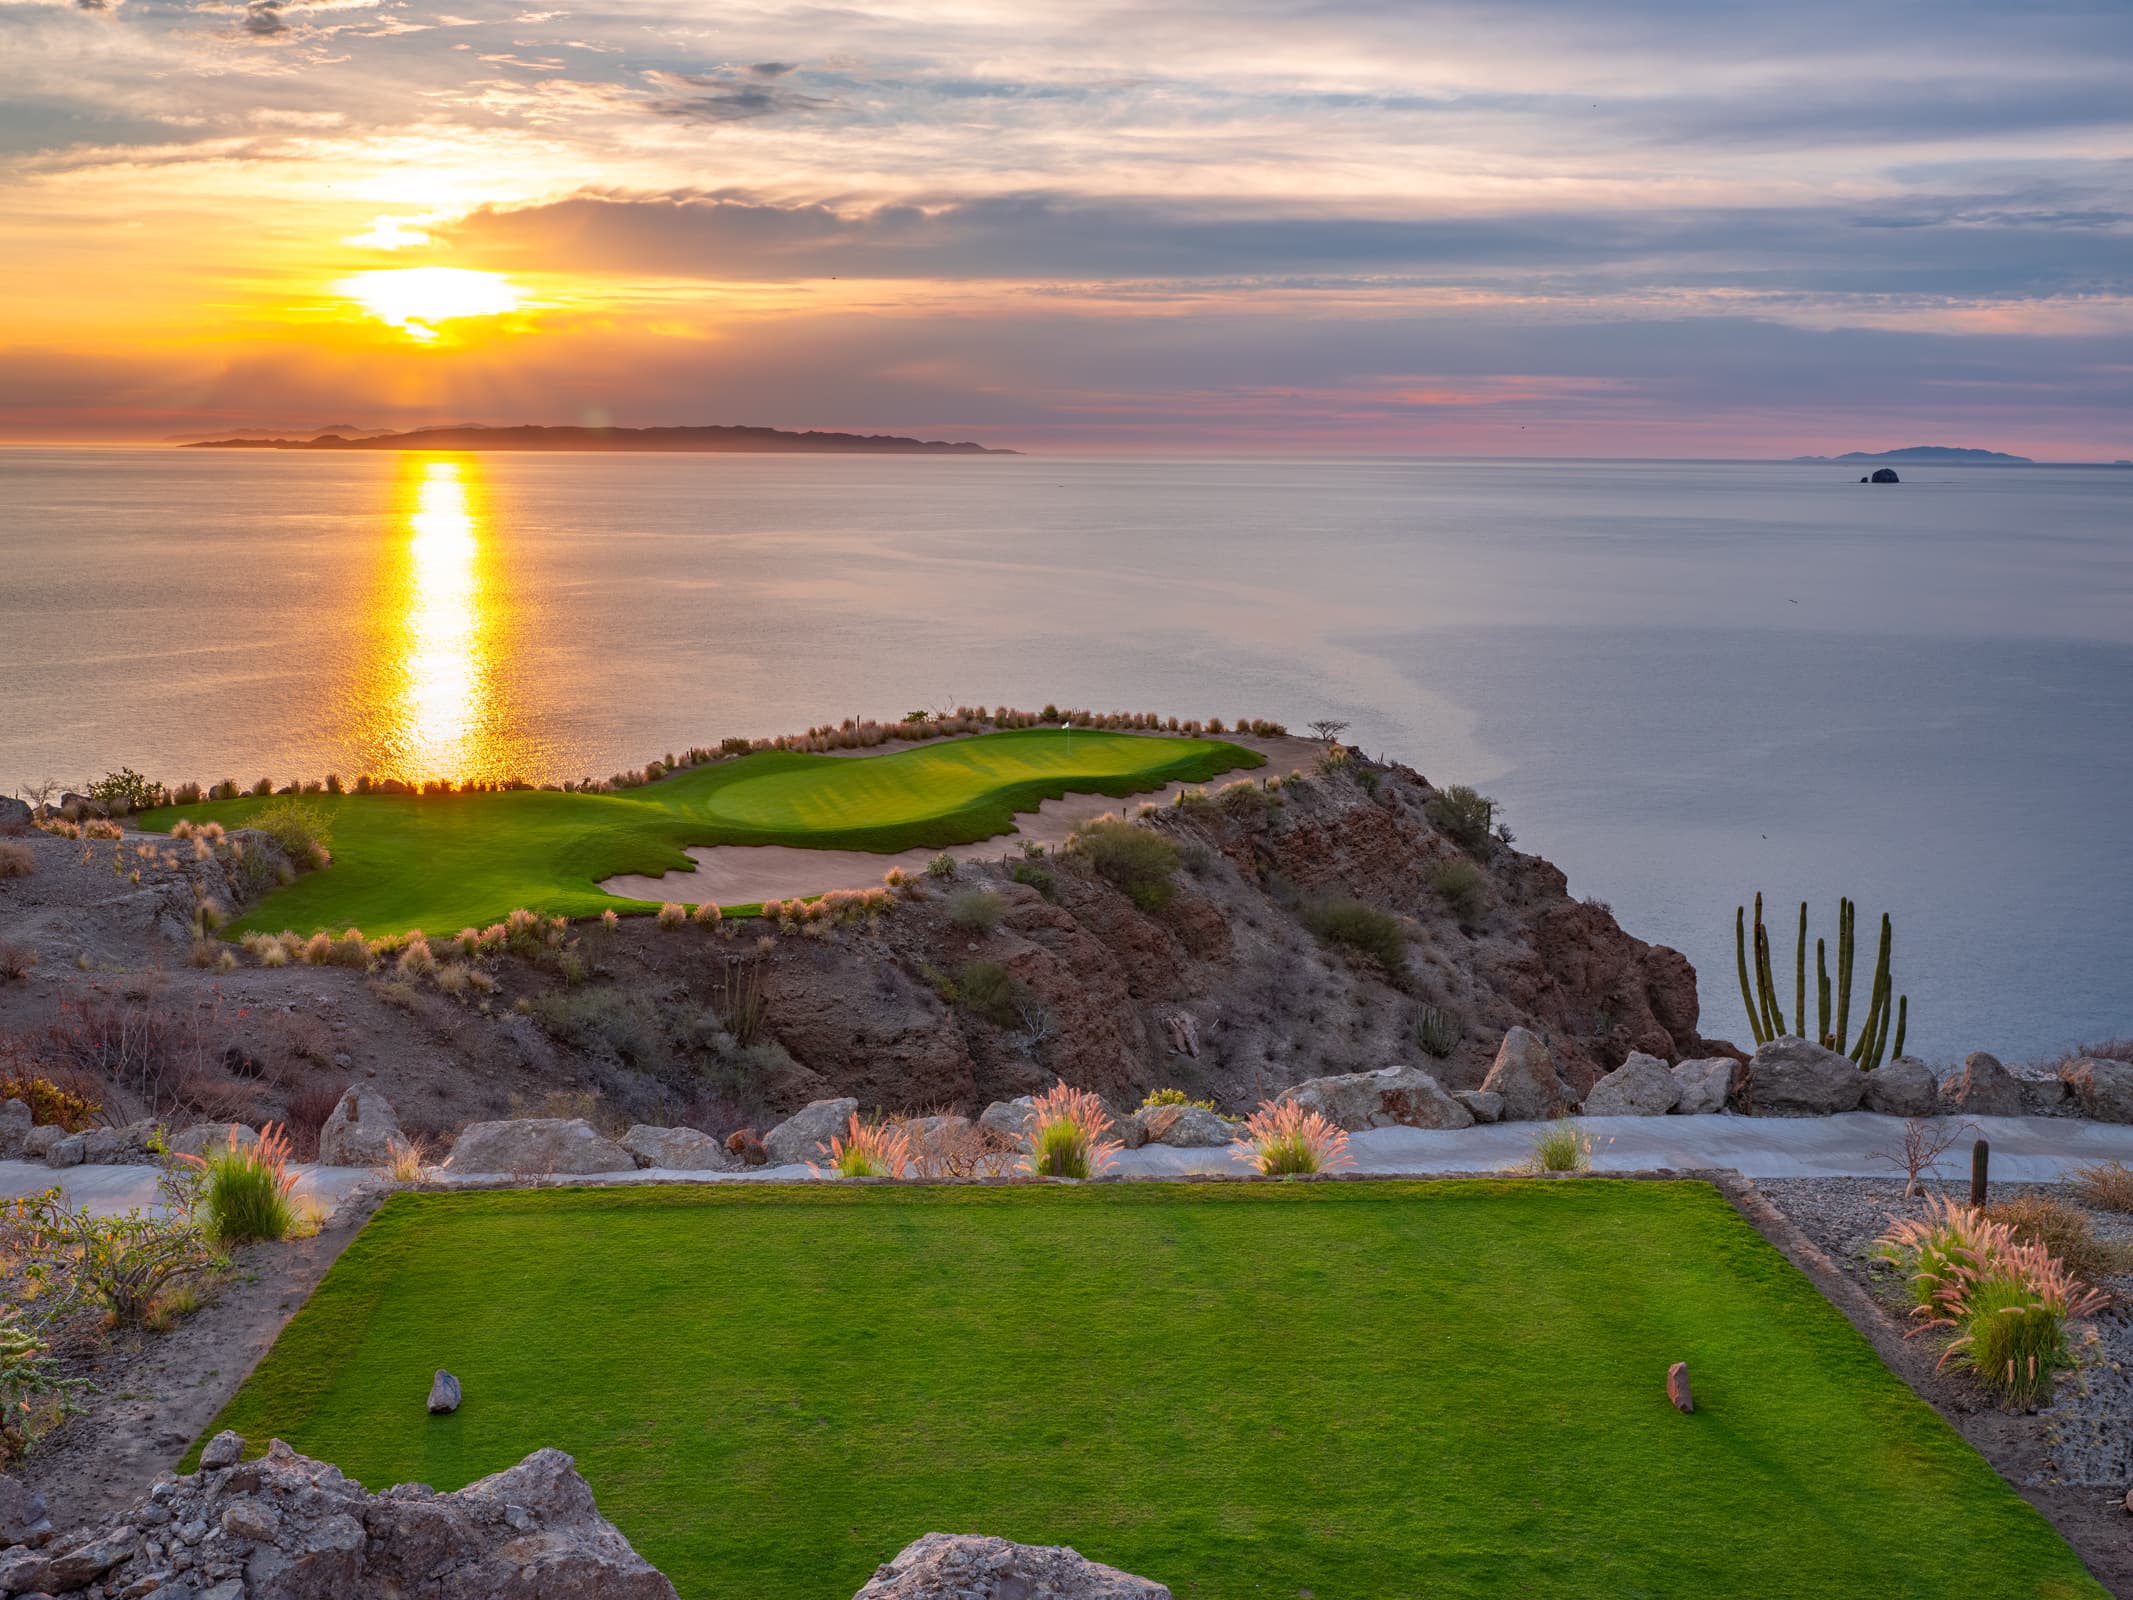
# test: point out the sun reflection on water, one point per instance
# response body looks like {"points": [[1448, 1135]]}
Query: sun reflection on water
{"points": [[433, 712]]}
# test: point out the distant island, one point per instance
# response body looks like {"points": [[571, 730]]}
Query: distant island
{"points": [[1946, 455], [473, 436]]}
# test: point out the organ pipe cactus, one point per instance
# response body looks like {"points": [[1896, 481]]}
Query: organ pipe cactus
{"points": [[1765, 1002]]}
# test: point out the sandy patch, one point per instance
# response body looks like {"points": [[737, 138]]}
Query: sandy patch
{"points": [[743, 874]]}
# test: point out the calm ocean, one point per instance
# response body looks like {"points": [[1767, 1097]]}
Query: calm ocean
{"points": [[1685, 680]]}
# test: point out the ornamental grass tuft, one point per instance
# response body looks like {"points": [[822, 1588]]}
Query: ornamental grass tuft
{"points": [[880, 1151], [1562, 1146], [245, 1188], [1066, 1134], [1282, 1139]]}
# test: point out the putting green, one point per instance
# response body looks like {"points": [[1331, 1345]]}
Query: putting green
{"points": [[444, 862], [1362, 1390]]}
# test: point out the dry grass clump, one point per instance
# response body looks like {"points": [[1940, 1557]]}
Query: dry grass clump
{"points": [[15, 962], [1562, 1146], [16, 861], [672, 915], [2108, 1186], [2062, 1229], [975, 910], [707, 914]]}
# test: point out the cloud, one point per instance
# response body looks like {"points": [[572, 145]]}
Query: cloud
{"points": [[709, 97]]}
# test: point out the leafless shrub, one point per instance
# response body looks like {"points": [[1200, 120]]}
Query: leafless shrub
{"points": [[960, 1149], [16, 860], [1925, 1140], [163, 1055], [305, 1113]]}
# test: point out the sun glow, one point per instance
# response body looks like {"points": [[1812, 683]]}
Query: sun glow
{"points": [[416, 299]]}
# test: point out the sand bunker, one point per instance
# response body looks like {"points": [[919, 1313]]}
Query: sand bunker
{"points": [[743, 874]]}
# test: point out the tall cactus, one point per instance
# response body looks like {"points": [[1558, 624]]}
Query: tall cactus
{"points": [[1766, 1006]]}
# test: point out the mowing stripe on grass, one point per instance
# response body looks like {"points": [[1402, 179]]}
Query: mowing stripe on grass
{"points": [[1360, 1390], [445, 862]]}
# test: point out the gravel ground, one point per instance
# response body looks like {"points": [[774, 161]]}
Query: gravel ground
{"points": [[2084, 1439]]}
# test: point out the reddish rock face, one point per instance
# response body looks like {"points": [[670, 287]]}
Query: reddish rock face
{"points": [[868, 1030]]}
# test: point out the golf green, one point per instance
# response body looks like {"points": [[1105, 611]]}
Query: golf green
{"points": [[1331, 1389], [445, 862]]}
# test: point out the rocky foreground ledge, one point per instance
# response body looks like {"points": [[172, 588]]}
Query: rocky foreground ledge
{"points": [[286, 1527]]}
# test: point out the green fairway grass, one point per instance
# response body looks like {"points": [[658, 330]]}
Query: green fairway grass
{"points": [[1369, 1391], [445, 862]]}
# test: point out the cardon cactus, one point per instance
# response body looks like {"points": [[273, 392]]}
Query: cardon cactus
{"points": [[1765, 1003]]}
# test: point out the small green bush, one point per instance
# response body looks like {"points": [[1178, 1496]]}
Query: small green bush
{"points": [[941, 866], [1462, 815], [1175, 1097], [1136, 860], [1461, 886], [607, 1020], [1037, 877], [1562, 1146], [974, 910], [300, 829], [1243, 801], [990, 990], [127, 787], [1366, 928]]}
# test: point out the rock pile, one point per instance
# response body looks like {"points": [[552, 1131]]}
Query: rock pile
{"points": [[290, 1528], [944, 1566]]}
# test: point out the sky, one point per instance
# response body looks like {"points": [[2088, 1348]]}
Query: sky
{"points": [[1527, 227]]}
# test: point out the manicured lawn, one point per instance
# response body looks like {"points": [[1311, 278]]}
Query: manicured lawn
{"points": [[444, 862], [1355, 1391]]}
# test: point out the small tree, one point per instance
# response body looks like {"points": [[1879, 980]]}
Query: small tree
{"points": [[1329, 729], [1925, 1140]]}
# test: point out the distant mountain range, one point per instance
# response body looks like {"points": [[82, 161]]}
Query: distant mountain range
{"points": [[474, 436], [1944, 454]]}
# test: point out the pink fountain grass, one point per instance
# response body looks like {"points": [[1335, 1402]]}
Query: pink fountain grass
{"points": [[1282, 1139]]}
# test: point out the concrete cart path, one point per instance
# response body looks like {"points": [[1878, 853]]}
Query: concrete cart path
{"points": [[1855, 1145]]}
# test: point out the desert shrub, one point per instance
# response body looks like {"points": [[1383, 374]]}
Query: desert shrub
{"points": [[1438, 1031], [2064, 1231], [1562, 1146], [1462, 815], [1461, 886], [126, 787], [16, 860], [2108, 1185], [1243, 801], [960, 1149], [76, 1264], [1282, 1139], [1066, 1134], [707, 914], [1136, 860], [164, 1055], [989, 990], [16, 963], [672, 915], [881, 1151], [1362, 927], [895, 878], [1196, 858], [941, 866], [737, 997], [35, 1392], [974, 910], [607, 1020], [50, 1105], [1173, 1097], [1037, 877], [245, 1188], [301, 830]]}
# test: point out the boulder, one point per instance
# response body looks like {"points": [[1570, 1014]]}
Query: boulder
{"points": [[295, 1529], [1524, 1074], [1186, 1127], [948, 1566], [1678, 1393], [444, 1393], [16, 1121], [121, 1146], [361, 1131], [1984, 1088], [1882, 475], [22, 1514], [1392, 1097], [536, 1146], [1483, 1105], [68, 1150], [1129, 1130], [1010, 1120], [677, 1149], [1904, 1087], [805, 1135], [1799, 1078], [14, 813], [1704, 1085], [41, 1140], [2104, 1087], [202, 1137], [226, 1449], [1641, 1087]]}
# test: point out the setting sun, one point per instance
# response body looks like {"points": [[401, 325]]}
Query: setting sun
{"points": [[415, 299]]}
